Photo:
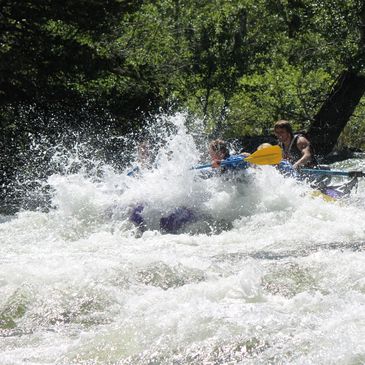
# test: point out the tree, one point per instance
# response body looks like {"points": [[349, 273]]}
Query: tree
{"points": [[62, 52], [336, 111], [346, 94]]}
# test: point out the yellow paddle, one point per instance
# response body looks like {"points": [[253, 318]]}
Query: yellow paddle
{"points": [[267, 156], [319, 194]]}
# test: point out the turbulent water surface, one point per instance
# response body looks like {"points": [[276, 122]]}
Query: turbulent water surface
{"points": [[267, 273]]}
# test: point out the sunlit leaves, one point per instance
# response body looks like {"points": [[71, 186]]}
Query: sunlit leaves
{"points": [[284, 92], [239, 64]]}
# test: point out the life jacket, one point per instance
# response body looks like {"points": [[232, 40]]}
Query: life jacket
{"points": [[235, 162], [286, 168], [293, 153]]}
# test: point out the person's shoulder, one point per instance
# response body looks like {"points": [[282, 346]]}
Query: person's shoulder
{"points": [[302, 140]]}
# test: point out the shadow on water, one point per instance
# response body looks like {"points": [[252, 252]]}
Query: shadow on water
{"points": [[233, 350], [308, 250]]}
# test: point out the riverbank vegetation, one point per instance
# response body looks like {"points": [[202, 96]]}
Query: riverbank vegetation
{"points": [[236, 65]]}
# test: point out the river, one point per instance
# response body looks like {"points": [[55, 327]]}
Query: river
{"points": [[268, 274]]}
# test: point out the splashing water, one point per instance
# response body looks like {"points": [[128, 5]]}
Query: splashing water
{"points": [[266, 273]]}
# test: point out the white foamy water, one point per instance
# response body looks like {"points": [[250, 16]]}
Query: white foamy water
{"points": [[267, 274]]}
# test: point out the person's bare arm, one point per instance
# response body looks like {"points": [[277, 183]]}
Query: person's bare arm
{"points": [[304, 147]]}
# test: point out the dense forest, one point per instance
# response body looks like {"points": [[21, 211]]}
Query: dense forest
{"points": [[236, 65]]}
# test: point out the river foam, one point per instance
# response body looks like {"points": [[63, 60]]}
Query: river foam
{"points": [[270, 274]]}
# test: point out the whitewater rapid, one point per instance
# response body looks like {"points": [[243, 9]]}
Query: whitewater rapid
{"points": [[270, 275]]}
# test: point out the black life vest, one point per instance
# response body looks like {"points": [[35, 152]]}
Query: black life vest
{"points": [[293, 153]]}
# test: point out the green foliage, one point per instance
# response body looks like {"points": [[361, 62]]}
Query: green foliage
{"points": [[279, 93], [52, 52], [353, 135], [237, 65], [107, 65]]}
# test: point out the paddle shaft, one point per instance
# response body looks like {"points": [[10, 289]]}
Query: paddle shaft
{"points": [[334, 172], [222, 164], [266, 156]]}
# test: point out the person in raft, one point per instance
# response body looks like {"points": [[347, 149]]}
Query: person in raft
{"points": [[333, 191], [296, 147], [218, 151], [220, 156]]}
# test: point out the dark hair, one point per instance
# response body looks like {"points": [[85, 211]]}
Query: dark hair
{"points": [[219, 146], [284, 124]]}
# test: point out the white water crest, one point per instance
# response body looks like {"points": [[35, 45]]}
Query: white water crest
{"points": [[267, 273]]}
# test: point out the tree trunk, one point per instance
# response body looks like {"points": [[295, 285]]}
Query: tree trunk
{"points": [[336, 111]]}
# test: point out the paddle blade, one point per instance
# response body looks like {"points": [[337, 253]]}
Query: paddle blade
{"points": [[267, 156]]}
